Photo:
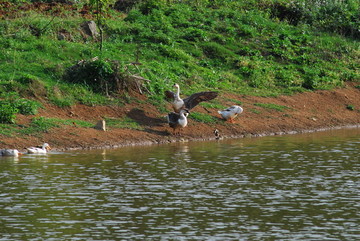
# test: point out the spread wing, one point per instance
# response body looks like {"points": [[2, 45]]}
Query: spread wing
{"points": [[169, 95], [173, 119], [194, 99]]}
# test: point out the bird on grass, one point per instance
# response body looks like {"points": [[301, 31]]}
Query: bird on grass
{"points": [[231, 113], [190, 102], [39, 150], [177, 121]]}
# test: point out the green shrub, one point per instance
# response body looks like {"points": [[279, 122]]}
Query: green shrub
{"points": [[97, 74], [11, 104], [27, 107], [342, 17], [7, 112]]}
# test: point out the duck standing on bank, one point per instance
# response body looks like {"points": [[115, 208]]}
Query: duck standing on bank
{"points": [[190, 102], [39, 150], [10, 152], [231, 113], [177, 121]]}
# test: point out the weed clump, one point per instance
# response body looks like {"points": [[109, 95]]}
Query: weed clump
{"points": [[105, 77]]}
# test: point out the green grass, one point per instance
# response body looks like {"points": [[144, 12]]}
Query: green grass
{"points": [[203, 118], [125, 122], [8, 130], [242, 47], [40, 125], [213, 104], [272, 106]]}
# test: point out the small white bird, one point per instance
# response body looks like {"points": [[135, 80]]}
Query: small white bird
{"points": [[44, 149], [10, 152], [230, 113]]}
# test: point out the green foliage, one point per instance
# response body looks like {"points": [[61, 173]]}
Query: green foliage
{"points": [[265, 47], [341, 17], [27, 107], [201, 117], [11, 104], [38, 126], [218, 52], [98, 75], [350, 107], [125, 122], [8, 130], [7, 112], [43, 124]]}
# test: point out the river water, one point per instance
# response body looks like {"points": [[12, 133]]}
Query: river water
{"points": [[292, 187]]}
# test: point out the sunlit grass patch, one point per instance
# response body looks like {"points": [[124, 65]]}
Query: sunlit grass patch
{"points": [[201, 117], [234, 101], [8, 129], [40, 125], [125, 122], [255, 111], [213, 105], [272, 106]]}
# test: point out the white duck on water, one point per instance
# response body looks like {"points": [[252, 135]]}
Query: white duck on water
{"points": [[190, 102], [34, 150], [230, 113], [10, 152]]}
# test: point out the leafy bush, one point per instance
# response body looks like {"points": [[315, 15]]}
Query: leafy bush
{"points": [[97, 74], [27, 107], [11, 104], [342, 17], [7, 112], [125, 5]]}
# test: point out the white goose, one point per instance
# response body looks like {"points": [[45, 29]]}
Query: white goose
{"points": [[10, 152], [189, 102], [177, 121], [44, 149], [230, 113]]}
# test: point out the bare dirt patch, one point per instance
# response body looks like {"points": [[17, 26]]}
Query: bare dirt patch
{"points": [[303, 112]]}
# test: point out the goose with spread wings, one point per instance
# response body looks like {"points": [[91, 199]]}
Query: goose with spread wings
{"points": [[190, 102]]}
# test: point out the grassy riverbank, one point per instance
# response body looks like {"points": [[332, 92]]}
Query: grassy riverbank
{"points": [[253, 49]]}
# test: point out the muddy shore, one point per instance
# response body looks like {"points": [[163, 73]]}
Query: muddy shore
{"points": [[303, 112]]}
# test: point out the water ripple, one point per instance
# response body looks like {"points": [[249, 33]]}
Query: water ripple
{"points": [[292, 188]]}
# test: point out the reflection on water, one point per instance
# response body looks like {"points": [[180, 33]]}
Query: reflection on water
{"points": [[303, 187]]}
